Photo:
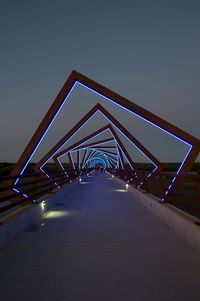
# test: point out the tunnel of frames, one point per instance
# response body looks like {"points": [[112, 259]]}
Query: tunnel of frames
{"points": [[108, 153]]}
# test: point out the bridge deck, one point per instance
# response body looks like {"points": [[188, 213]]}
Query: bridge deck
{"points": [[99, 244]]}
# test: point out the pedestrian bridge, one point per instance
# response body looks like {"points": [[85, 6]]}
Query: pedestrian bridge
{"points": [[98, 242], [72, 231]]}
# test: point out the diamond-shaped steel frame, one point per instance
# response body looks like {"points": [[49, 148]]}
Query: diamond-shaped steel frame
{"points": [[78, 78], [79, 145]]}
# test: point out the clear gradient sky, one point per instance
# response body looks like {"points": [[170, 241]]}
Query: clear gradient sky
{"points": [[147, 51]]}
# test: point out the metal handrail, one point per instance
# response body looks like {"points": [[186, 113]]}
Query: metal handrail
{"points": [[34, 186], [185, 194]]}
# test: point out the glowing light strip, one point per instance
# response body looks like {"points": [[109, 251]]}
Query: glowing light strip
{"points": [[85, 157], [111, 162], [44, 134], [121, 162], [82, 142], [102, 152], [174, 179], [116, 146], [97, 152], [101, 95], [111, 154], [80, 158], [72, 161], [115, 160], [136, 114], [94, 144], [128, 139], [126, 157], [148, 121], [71, 153], [62, 167], [139, 150], [16, 190], [76, 133], [105, 156], [102, 142], [49, 177], [148, 177], [90, 157], [96, 159], [95, 137], [70, 137], [82, 148]]}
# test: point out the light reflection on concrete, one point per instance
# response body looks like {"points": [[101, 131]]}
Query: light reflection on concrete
{"points": [[119, 190], [58, 214]]}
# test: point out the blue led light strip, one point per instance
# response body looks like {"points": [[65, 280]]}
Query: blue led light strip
{"points": [[144, 119], [148, 121], [71, 138], [77, 147], [124, 108], [48, 176], [62, 167], [44, 134]]}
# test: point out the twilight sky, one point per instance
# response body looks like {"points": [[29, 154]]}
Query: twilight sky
{"points": [[147, 51]]}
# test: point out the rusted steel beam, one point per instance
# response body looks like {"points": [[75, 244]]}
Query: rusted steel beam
{"points": [[104, 150], [76, 77], [78, 160], [100, 108], [83, 159], [70, 160], [134, 108], [97, 143], [121, 161]]}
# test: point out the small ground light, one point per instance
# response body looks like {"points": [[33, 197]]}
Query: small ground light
{"points": [[80, 179], [112, 176], [126, 185], [43, 204]]}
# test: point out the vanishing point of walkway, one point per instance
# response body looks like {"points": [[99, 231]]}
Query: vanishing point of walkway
{"points": [[98, 243]]}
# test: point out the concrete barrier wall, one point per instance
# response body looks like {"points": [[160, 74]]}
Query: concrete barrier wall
{"points": [[19, 221], [185, 225]]}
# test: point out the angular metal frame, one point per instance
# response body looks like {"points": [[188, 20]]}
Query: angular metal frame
{"points": [[77, 78], [94, 146]]}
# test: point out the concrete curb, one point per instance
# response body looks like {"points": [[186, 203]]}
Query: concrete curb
{"points": [[184, 225]]}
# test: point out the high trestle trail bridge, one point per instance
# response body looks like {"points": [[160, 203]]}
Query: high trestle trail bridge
{"points": [[100, 227]]}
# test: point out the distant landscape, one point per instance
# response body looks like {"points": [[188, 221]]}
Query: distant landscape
{"points": [[6, 167]]}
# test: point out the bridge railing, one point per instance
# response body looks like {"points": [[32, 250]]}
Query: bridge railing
{"points": [[185, 194], [18, 191]]}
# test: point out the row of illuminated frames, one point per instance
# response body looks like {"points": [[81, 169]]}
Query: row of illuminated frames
{"points": [[73, 86]]}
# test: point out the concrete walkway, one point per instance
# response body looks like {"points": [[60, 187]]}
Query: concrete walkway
{"points": [[99, 244]]}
